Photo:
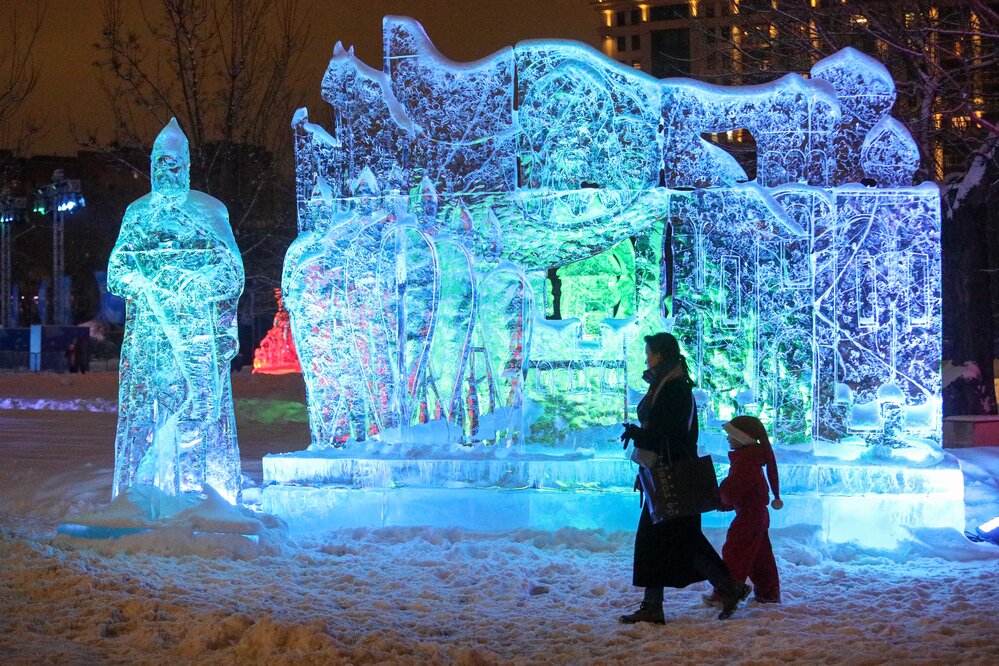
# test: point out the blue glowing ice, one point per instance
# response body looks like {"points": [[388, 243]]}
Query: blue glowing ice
{"points": [[177, 265], [453, 208]]}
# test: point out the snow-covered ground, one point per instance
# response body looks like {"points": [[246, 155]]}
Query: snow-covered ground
{"points": [[404, 595]]}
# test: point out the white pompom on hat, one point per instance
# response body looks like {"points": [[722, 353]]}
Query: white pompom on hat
{"points": [[749, 430]]}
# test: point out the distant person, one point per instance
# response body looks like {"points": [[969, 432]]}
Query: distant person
{"points": [[71, 357], [83, 354], [673, 553], [747, 551]]}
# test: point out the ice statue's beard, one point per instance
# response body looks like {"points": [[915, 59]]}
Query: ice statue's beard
{"points": [[172, 185]]}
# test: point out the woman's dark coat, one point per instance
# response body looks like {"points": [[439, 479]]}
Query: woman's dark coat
{"points": [[675, 552]]}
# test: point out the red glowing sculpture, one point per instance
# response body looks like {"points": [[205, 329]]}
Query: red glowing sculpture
{"points": [[276, 354]]}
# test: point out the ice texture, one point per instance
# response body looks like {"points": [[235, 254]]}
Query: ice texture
{"points": [[483, 245], [177, 266]]}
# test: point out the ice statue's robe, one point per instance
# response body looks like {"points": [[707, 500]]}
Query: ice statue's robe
{"points": [[177, 265]]}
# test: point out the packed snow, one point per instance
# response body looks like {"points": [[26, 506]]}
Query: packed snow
{"points": [[433, 595]]}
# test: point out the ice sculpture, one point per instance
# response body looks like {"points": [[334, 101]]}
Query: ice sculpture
{"points": [[177, 265], [276, 353], [482, 246]]}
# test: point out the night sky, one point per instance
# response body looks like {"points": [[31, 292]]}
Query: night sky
{"points": [[463, 30]]}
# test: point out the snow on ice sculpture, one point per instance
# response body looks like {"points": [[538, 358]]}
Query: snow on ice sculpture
{"points": [[442, 211], [276, 353], [177, 265]]}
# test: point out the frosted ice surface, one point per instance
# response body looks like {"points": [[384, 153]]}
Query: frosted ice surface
{"points": [[369, 124], [793, 121], [474, 155], [177, 265]]}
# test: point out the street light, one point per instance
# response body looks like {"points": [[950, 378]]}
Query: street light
{"points": [[61, 197], [11, 210]]}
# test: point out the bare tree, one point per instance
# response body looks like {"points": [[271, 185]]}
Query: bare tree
{"points": [[228, 70], [18, 74], [944, 57]]}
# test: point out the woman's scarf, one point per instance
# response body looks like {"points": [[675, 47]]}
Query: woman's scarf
{"points": [[658, 376]]}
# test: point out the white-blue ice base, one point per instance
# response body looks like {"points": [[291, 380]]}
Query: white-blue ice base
{"points": [[874, 504]]}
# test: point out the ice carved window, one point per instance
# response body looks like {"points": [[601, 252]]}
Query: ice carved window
{"points": [[730, 298], [867, 291]]}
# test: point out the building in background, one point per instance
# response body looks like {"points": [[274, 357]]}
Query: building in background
{"points": [[745, 42]]}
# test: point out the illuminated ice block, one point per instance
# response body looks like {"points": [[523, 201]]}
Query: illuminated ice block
{"points": [[177, 265], [873, 504]]}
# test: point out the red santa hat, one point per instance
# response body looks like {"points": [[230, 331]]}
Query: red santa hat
{"points": [[749, 430]]}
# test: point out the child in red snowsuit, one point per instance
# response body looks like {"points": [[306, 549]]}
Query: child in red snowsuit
{"points": [[747, 551]]}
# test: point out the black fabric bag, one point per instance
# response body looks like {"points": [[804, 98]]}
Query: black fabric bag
{"points": [[686, 488]]}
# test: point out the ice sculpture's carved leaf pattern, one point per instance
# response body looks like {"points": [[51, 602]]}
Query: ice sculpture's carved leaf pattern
{"points": [[865, 92], [453, 334], [504, 334], [408, 281]]}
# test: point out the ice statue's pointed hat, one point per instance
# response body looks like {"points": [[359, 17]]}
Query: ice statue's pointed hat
{"points": [[172, 140], [171, 162]]}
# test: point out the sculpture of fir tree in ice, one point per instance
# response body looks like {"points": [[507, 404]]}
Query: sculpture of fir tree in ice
{"points": [[276, 354], [177, 265]]}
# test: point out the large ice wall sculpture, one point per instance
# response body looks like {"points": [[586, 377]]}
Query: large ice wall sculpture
{"points": [[177, 265], [483, 245]]}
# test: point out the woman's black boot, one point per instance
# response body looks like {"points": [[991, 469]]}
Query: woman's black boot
{"points": [[732, 595], [647, 612]]}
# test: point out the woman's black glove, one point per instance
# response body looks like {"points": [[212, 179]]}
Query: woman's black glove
{"points": [[631, 433]]}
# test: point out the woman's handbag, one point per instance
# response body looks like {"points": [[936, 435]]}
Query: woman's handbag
{"points": [[687, 487]]}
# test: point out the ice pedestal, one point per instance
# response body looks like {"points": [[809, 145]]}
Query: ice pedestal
{"points": [[538, 471], [872, 503]]}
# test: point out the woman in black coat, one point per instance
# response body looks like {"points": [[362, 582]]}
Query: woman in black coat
{"points": [[675, 552]]}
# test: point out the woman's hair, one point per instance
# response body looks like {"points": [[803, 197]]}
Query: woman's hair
{"points": [[666, 345]]}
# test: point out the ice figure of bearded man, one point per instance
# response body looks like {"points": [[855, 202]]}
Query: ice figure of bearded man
{"points": [[177, 266]]}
